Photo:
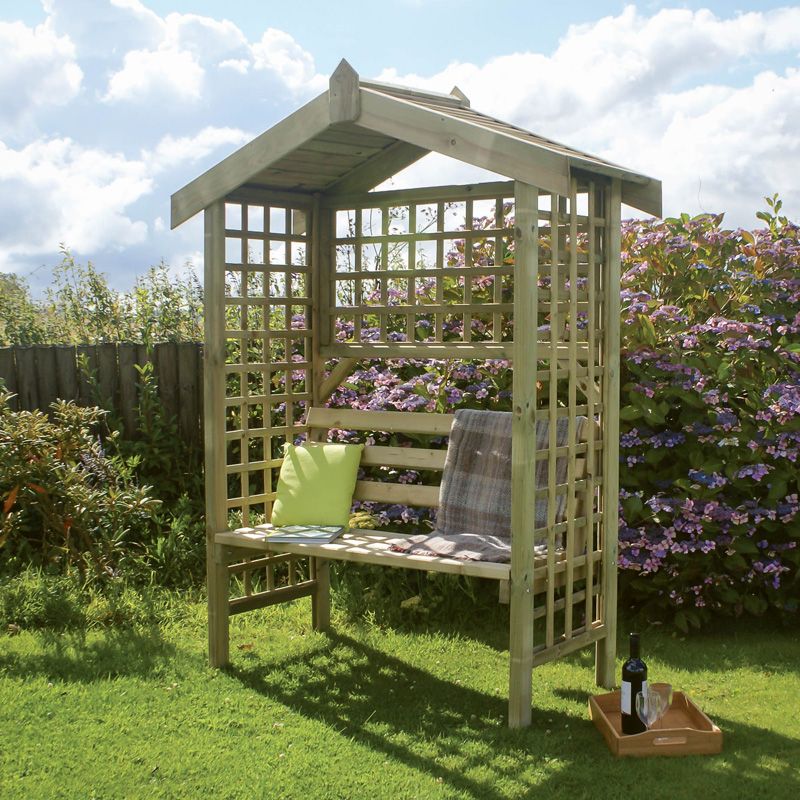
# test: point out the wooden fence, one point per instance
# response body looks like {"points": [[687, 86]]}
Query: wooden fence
{"points": [[40, 374]]}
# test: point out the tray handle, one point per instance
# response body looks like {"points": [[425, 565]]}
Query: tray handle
{"points": [[669, 741]]}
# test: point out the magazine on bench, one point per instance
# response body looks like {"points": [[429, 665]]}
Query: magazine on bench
{"points": [[314, 534]]}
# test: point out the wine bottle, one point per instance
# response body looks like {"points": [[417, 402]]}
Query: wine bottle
{"points": [[634, 680]]}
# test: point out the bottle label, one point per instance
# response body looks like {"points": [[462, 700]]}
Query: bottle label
{"points": [[626, 696]]}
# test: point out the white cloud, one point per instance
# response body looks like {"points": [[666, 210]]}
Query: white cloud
{"points": [[57, 191], [37, 69], [188, 50], [616, 88], [149, 75], [239, 65], [209, 40], [91, 159], [172, 151], [105, 28], [280, 54], [67, 193]]}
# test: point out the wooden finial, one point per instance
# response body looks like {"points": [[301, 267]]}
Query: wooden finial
{"points": [[343, 94], [456, 92]]}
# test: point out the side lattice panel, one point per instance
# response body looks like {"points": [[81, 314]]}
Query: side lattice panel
{"points": [[268, 347]]}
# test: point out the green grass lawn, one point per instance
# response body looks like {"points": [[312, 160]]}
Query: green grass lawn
{"points": [[371, 713]]}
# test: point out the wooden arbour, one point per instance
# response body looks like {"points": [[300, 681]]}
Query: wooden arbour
{"points": [[308, 271]]}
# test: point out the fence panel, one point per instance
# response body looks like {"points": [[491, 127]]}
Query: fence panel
{"points": [[40, 374], [128, 377]]}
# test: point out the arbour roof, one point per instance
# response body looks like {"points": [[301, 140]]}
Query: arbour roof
{"points": [[359, 133]]}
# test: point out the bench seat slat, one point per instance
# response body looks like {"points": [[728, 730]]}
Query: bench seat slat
{"points": [[372, 547], [366, 547]]}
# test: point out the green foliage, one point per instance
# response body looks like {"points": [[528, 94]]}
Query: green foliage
{"points": [[82, 308], [36, 598], [21, 320], [66, 505], [174, 555], [403, 598], [711, 418]]}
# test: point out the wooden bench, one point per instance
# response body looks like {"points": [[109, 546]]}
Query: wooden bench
{"points": [[372, 546]]}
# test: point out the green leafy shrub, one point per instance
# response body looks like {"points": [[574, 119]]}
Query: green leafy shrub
{"points": [[171, 551], [711, 418], [65, 504], [81, 307]]}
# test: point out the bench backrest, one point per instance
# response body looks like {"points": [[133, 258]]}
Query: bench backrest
{"points": [[321, 420]]}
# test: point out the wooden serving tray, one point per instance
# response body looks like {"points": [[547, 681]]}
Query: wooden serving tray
{"points": [[684, 730]]}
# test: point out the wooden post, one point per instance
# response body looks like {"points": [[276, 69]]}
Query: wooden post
{"points": [[344, 94], [46, 381], [107, 375], [606, 648], [128, 378], [8, 373], [523, 465], [214, 404], [66, 372], [319, 568]]}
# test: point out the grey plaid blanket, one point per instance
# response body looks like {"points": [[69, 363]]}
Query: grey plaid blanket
{"points": [[474, 517]]}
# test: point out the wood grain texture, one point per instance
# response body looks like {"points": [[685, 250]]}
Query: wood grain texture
{"points": [[214, 420], [238, 168], [605, 659], [523, 472]]}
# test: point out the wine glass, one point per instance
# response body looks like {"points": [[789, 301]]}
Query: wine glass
{"points": [[664, 691], [649, 707]]}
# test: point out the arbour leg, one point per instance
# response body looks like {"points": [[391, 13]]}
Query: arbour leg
{"points": [[520, 695], [606, 651], [321, 599], [218, 608], [605, 662]]}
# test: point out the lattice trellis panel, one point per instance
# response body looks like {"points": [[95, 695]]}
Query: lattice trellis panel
{"points": [[423, 266], [570, 378], [267, 344]]}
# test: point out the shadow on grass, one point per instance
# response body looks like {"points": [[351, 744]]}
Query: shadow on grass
{"points": [[83, 658], [458, 735]]}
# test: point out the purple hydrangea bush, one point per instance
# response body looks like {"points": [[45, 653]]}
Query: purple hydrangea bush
{"points": [[710, 415], [710, 441]]}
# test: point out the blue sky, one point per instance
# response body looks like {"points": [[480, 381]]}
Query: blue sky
{"points": [[109, 106]]}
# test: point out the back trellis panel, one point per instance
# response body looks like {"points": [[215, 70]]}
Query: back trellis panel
{"points": [[412, 270]]}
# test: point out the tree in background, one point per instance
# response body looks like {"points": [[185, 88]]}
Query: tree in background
{"points": [[82, 308]]}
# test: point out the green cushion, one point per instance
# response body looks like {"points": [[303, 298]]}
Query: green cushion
{"points": [[316, 483]]}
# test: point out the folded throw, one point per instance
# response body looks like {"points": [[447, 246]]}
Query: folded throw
{"points": [[474, 517]]}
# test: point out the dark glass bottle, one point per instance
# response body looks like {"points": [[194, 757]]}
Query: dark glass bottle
{"points": [[634, 680]]}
